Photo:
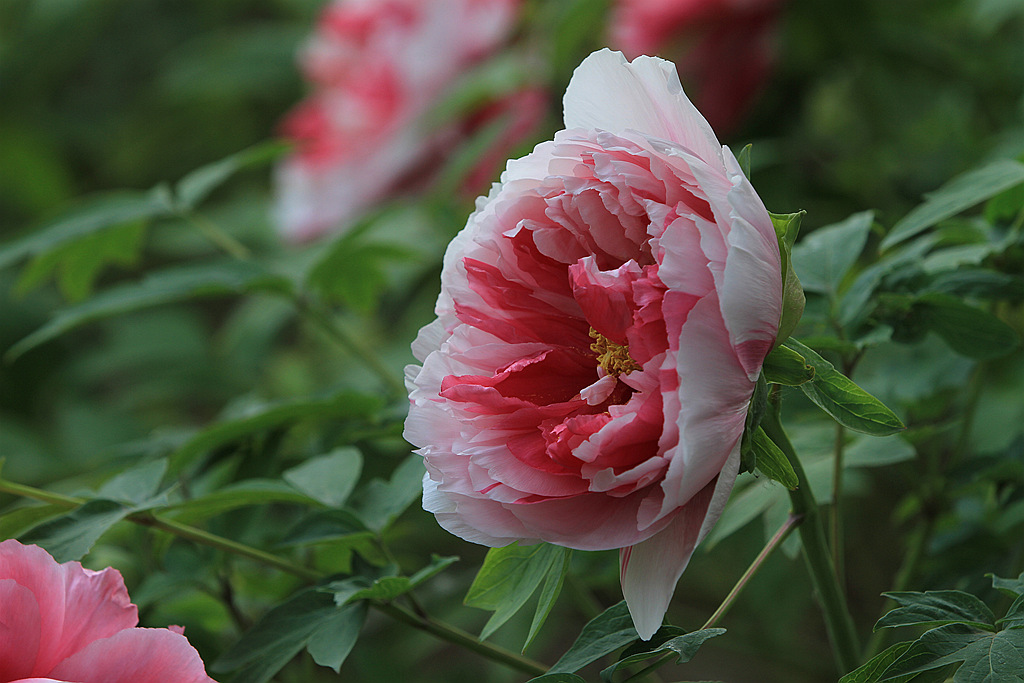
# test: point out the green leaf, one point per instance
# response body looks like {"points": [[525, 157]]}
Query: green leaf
{"points": [[840, 397], [509, 576], [785, 366], [557, 678], [744, 159], [136, 485], [962, 192], [277, 637], [77, 264], [241, 494], [334, 638], [873, 668], [1011, 587], [328, 478], [787, 226], [1014, 617], [390, 587], [602, 635], [13, 523], [933, 608], [326, 525], [271, 416], [772, 462], [97, 213], [353, 271], [987, 657], [685, 647], [548, 595], [968, 330], [380, 502], [72, 535], [197, 185], [824, 257], [163, 287]]}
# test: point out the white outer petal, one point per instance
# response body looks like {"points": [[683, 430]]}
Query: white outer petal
{"points": [[608, 93]]}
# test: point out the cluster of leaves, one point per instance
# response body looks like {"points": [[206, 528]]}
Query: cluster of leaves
{"points": [[963, 638]]}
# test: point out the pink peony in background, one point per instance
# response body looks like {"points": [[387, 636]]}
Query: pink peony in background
{"points": [[602, 321], [61, 622], [378, 67], [724, 48]]}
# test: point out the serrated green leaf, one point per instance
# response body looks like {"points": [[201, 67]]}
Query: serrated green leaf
{"points": [[785, 366], [72, 535], [271, 416], [824, 257], [968, 330], [933, 608], [97, 213], [197, 185], [873, 668], [840, 397], [328, 478], [508, 577], [277, 637], [163, 287], [987, 657], [684, 647], [548, 595], [336, 635], [772, 462], [962, 192], [602, 635]]}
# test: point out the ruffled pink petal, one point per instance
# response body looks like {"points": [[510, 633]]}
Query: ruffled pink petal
{"points": [[136, 655]]}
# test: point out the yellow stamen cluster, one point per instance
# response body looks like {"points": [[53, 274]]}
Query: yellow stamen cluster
{"points": [[614, 358]]}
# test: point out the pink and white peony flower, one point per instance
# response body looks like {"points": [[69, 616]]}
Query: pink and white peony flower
{"points": [[724, 48], [378, 67], [63, 623], [603, 318]]}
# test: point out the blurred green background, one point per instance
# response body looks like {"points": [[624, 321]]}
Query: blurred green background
{"points": [[871, 104]]}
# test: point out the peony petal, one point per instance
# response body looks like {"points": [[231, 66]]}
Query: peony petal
{"points": [[136, 655], [76, 605], [19, 630], [650, 570], [608, 93]]}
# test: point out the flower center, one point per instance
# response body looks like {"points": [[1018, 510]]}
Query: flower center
{"points": [[614, 358]]}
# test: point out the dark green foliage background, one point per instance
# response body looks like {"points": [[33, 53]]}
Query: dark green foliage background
{"points": [[871, 105]]}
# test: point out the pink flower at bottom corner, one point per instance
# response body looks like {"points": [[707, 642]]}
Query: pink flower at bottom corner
{"points": [[602, 322], [62, 622]]}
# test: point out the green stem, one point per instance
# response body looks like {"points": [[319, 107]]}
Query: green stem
{"points": [[457, 636], [837, 498], [781, 535], [433, 626], [341, 337], [222, 239], [816, 552]]}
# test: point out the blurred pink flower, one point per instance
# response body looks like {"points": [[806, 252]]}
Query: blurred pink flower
{"points": [[602, 321], [724, 48], [60, 622], [378, 67]]}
